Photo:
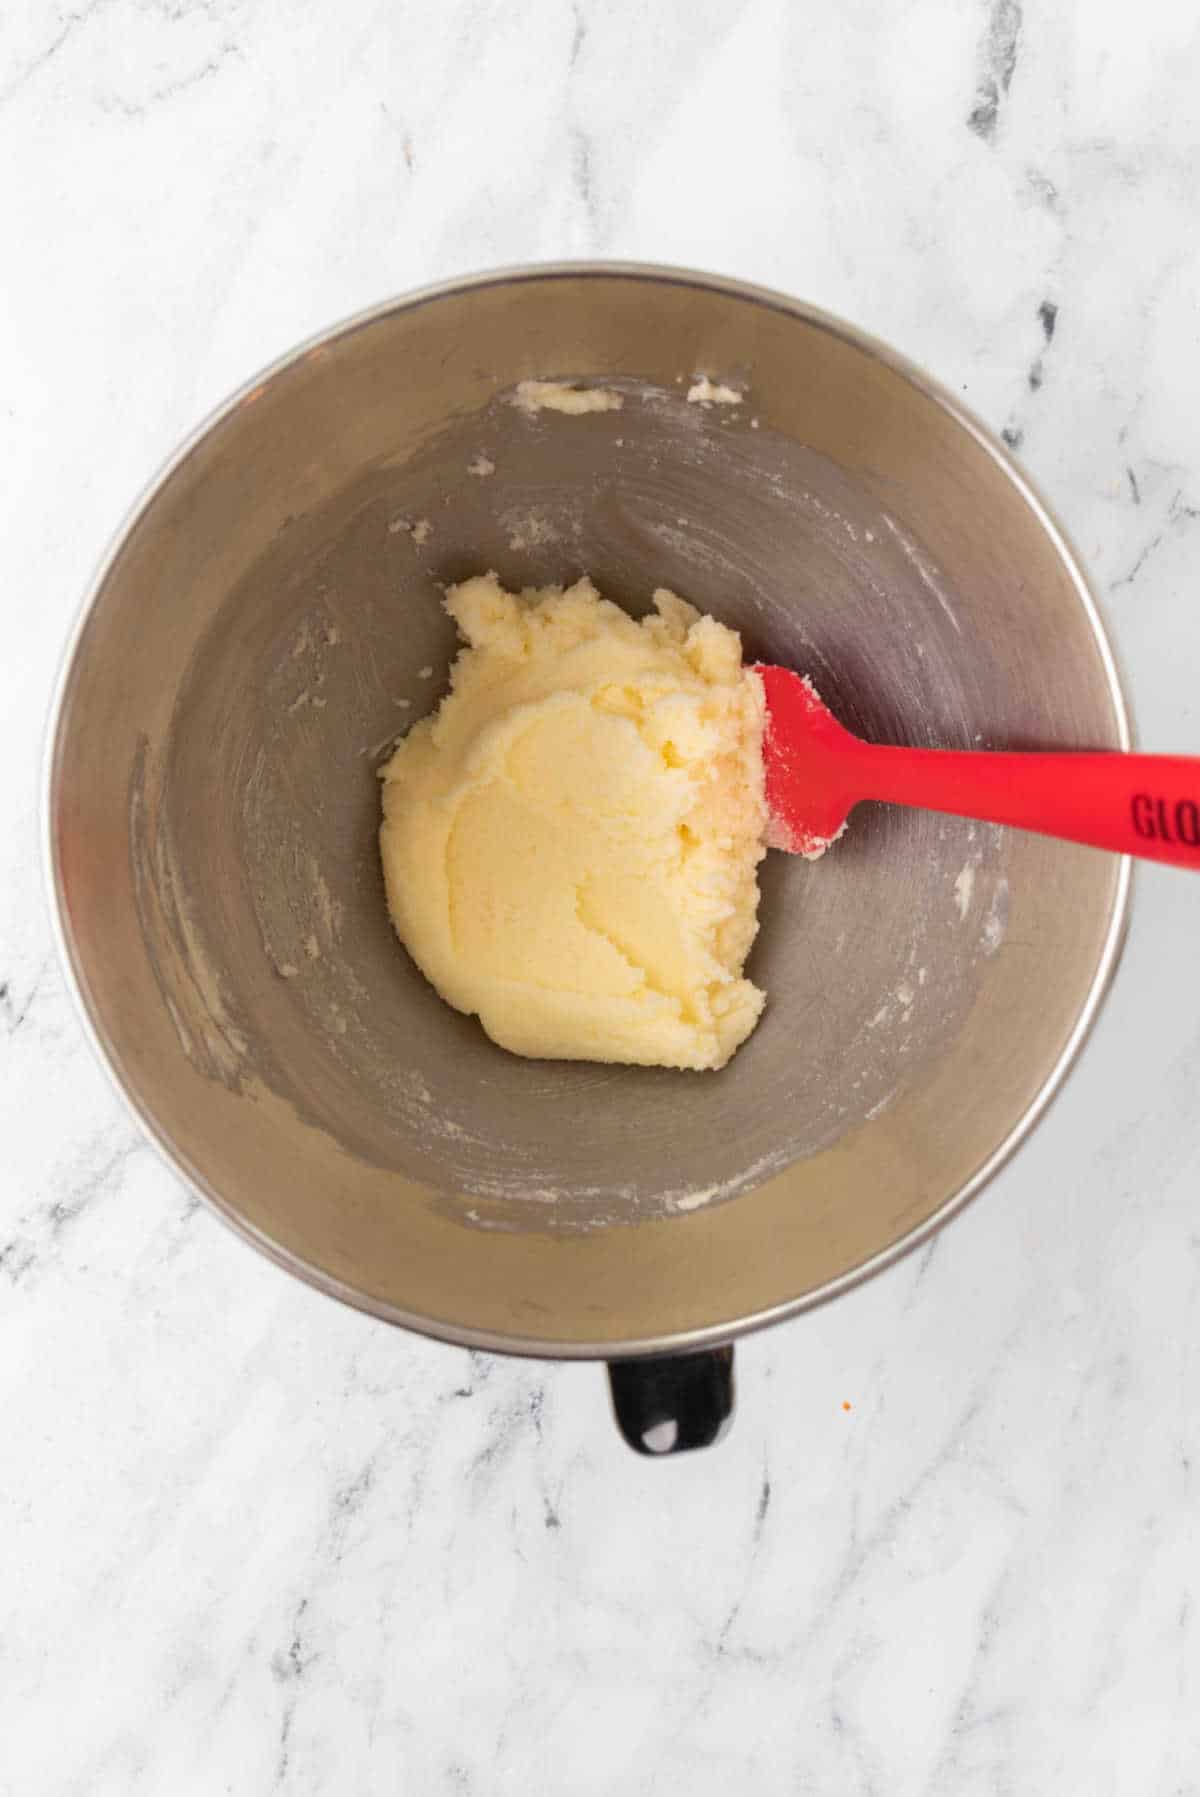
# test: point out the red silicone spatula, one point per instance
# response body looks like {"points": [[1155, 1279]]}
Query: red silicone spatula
{"points": [[816, 772]]}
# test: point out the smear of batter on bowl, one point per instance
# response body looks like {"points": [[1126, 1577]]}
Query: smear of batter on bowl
{"points": [[562, 396], [704, 392], [964, 888], [419, 530], [570, 844], [528, 530]]}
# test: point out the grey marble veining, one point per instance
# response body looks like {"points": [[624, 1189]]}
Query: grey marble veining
{"points": [[253, 1542]]}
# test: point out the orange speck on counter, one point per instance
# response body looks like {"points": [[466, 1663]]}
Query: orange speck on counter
{"points": [[846, 1404]]}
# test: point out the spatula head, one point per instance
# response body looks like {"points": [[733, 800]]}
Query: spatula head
{"points": [[808, 762]]}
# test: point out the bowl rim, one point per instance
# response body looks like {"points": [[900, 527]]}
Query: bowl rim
{"points": [[94, 1030]]}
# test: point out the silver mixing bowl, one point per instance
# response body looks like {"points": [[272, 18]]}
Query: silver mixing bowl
{"points": [[263, 629]]}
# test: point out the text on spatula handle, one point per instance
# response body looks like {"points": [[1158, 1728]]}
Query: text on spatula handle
{"points": [[1157, 820]]}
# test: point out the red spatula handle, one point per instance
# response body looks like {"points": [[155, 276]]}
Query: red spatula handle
{"points": [[1146, 805]]}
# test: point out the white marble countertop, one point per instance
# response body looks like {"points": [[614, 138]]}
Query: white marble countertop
{"points": [[254, 1542]]}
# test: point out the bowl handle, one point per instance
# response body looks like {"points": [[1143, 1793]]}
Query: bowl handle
{"points": [[673, 1402]]}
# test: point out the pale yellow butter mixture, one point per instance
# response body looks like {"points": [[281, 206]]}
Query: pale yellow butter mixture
{"points": [[570, 843]]}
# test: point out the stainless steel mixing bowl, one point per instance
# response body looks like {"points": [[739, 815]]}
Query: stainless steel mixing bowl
{"points": [[264, 628]]}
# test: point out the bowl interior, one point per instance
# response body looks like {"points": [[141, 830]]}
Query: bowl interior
{"points": [[264, 634]]}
